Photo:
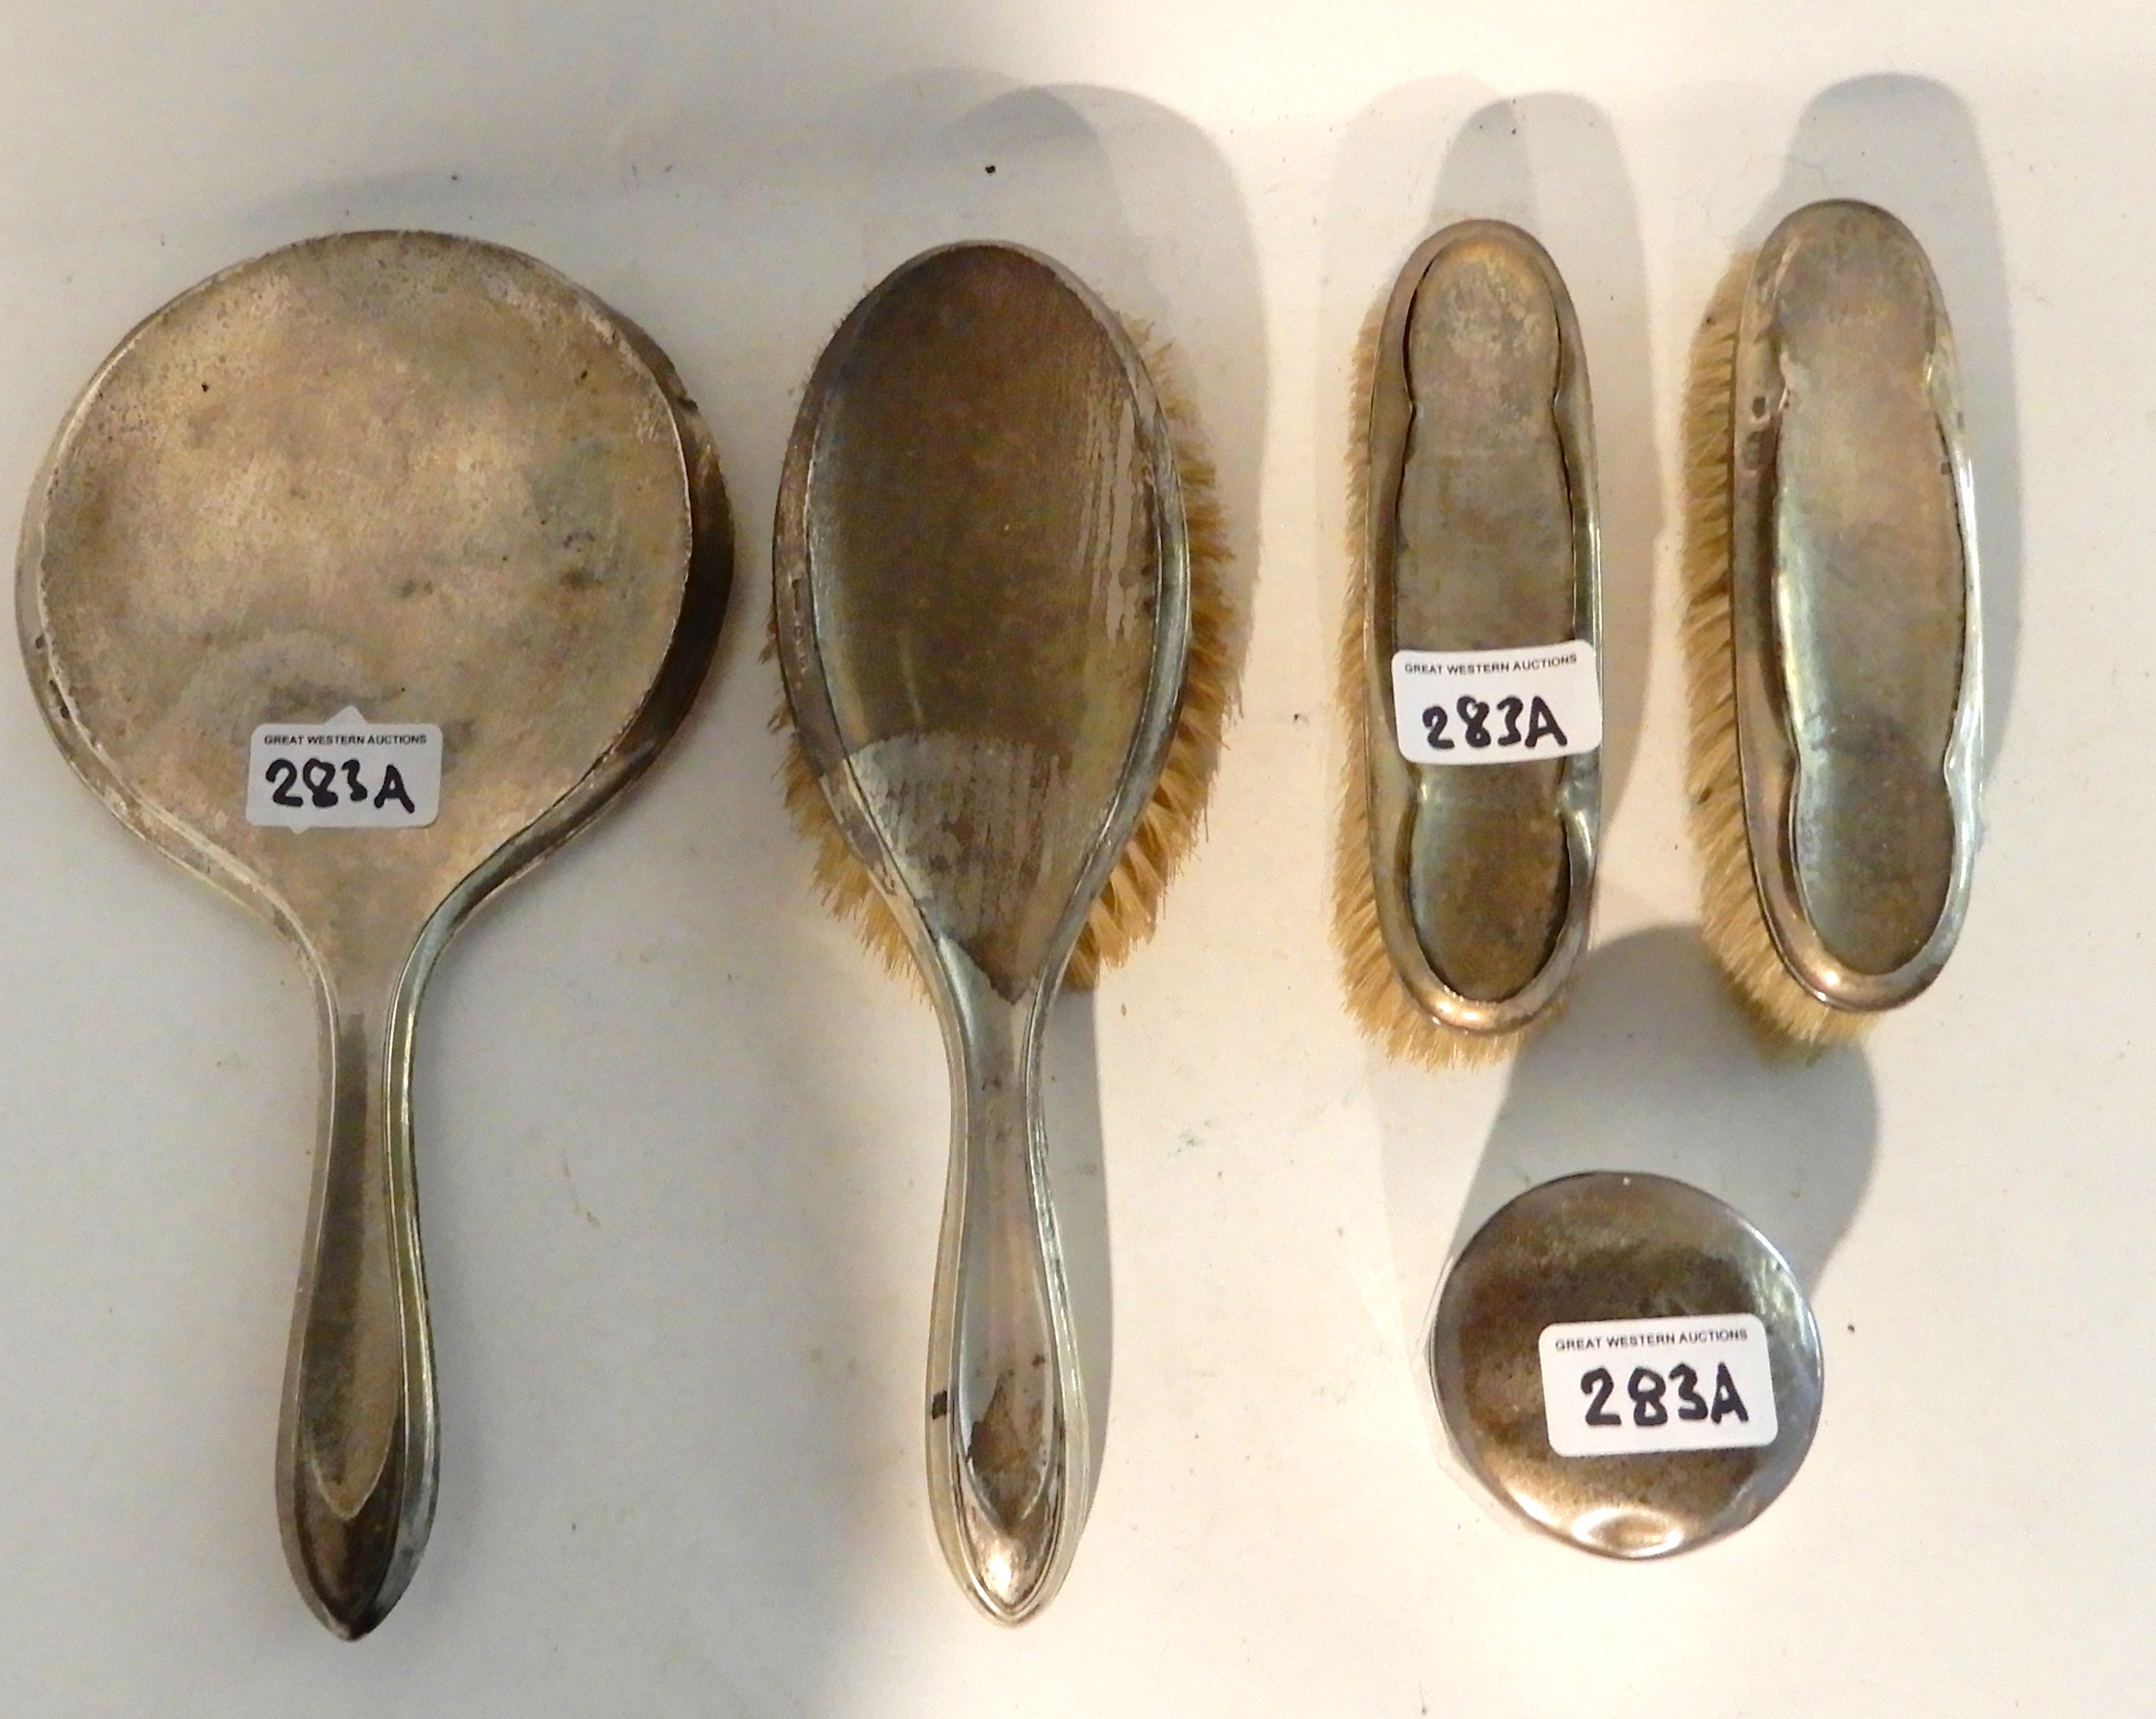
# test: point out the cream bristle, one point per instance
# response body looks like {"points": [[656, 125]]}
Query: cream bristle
{"points": [[1732, 923], [1128, 906], [1380, 1004], [841, 880]]}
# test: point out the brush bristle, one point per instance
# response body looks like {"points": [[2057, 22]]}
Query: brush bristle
{"points": [[1732, 923], [842, 880], [1128, 909], [1381, 1005]]}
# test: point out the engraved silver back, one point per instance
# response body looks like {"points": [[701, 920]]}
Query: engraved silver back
{"points": [[1857, 626], [1482, 535]]}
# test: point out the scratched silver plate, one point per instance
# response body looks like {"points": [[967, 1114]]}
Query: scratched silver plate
{"points": [[982, 591], [1482, 535], [431, 480], [1857, 623]]}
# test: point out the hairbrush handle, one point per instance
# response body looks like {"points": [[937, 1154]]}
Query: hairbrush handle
{"points": [[1009, 1452], [357, 1444]]}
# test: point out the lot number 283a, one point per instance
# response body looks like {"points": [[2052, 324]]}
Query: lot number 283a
{"points": [[1654, 1396]]}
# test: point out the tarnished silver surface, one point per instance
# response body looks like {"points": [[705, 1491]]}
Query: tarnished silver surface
{"points": [[1601, 1246], [1482, 535], [431, 479], [1857, 628], [983, 598]]}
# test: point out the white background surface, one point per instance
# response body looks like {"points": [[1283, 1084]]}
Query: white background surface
{"points": [[683, 1143]]}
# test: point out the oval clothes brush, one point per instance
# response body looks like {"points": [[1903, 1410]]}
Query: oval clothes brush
{"points": [[983, 609], [1834, 629], [362, 576], [1466, 873]]}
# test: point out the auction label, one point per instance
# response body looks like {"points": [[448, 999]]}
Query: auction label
{"points": [[1497, 706], [1619, 1387], [346, 774]]}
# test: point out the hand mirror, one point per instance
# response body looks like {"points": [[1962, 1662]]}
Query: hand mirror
{"points": [[378, 504]]}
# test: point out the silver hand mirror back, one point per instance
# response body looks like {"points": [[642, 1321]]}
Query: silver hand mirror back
{"points": [[426, 479]]}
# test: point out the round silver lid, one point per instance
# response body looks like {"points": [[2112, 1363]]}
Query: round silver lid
{"points": [[1627, 1363]]}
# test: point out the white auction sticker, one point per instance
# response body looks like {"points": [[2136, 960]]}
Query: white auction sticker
{"points": [[346, 774], [1619, 1387], [1497, 706]]}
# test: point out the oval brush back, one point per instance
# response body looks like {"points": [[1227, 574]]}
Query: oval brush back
{"points": [[982, 609], [989, 648]]}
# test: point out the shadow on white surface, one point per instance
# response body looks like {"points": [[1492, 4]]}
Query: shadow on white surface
{"points": [[1652, 1067], [1135, 200]]}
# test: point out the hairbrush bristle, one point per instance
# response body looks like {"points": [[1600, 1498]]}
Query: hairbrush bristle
{"points": [[1732, 923], [842, 880], [1382, 1006], [1128, 906]]}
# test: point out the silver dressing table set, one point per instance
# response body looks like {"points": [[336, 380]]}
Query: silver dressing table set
{"points": [[366, 572]]}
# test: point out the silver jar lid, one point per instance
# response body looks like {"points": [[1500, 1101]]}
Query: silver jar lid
{"points": [[1627, 1363]]}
